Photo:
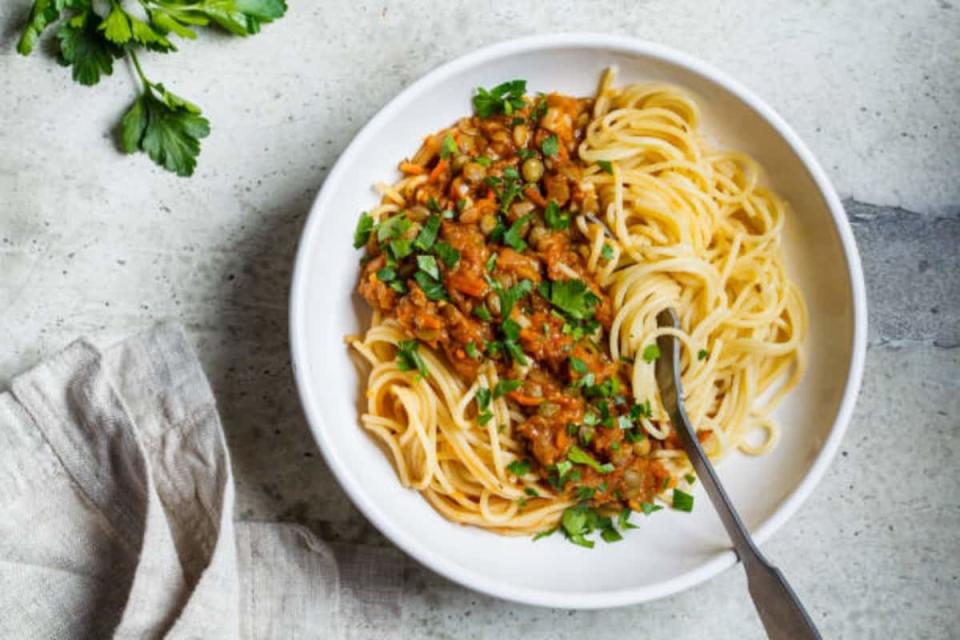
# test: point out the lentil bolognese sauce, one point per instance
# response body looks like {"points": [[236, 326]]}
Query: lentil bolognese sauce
{"points": [[507, 379]]}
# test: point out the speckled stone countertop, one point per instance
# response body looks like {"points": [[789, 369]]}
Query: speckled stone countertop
{"points": [[92, 242]]}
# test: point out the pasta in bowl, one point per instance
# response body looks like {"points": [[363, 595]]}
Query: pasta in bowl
{"points": [[514, 271]]}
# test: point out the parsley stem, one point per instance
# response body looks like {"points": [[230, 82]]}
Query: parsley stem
{"points": [[136, 64]]}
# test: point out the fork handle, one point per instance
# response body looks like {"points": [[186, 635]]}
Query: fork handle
{"points": [[781, 612]]}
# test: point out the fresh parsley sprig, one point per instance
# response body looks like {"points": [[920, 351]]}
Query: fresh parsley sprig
{"points": [[92, 35]]}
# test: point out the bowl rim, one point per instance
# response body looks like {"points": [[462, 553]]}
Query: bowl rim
{"points": [[568, 599]]}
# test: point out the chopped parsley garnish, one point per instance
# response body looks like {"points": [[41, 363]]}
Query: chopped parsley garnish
{"points": [[510, 329], [512, 237], [579, 456], [525, 154], [648, 508], [519, 467], [515, 352], [539, 110], [642, 410], [507, 189], [573, 297], [545, 533], [623, 520], [690, 478], [580, 521], [482, 313], [392, 227], [703, 354], [576, 524], [400, 248], [409, 359], [398, 286], [504, 98], [530, 491], [364, 228], [449, 255], [483, 404], [491, 263], [606, 165], [556, 219], [511, 296], [682, 501], [433, 205], [607, 252], [449, 147], [433, 289], [578, 365], [483, 161], [386, 274], [550, 146], [428, 234], [428, 264], [585, 493], [503, 387], [471, 350], [650, 353]]}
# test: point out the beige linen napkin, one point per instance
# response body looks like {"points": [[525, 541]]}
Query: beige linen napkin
{"points": [[116, 510]]}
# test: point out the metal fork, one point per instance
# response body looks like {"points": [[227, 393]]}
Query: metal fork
{"points": [[781, 612]]}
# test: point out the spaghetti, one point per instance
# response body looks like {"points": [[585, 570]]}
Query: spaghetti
{"points": [[516, 271]]}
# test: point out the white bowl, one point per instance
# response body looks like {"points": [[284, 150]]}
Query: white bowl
{"points": [[671, 551]]}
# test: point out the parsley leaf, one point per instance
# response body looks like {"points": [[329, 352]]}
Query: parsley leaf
{"points": [[483, 398], [579, 456], [482, 313], [428, 264], [83, 48], [449, 255], [409, 359], [449, 147], [703, 354], [43, 13], [167, 127], [573, 297], [556, 219], [386, 274], [365, 226], [433, 289], [539, 110], [93, 34], [519, 467], [578, 365], [512, 237], [648, 508], [550, 146], [504, 98], [503, 387], [428, 234], [606, 165], [471, 350], [607, 252], [650, 353], [392, 227], [491, 263], [682, 501]]}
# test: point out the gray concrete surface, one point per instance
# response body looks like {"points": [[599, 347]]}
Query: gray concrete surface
{"points": [[92, 242]]}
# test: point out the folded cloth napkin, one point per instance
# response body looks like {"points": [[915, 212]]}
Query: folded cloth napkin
{"points": [[116, 509]]}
